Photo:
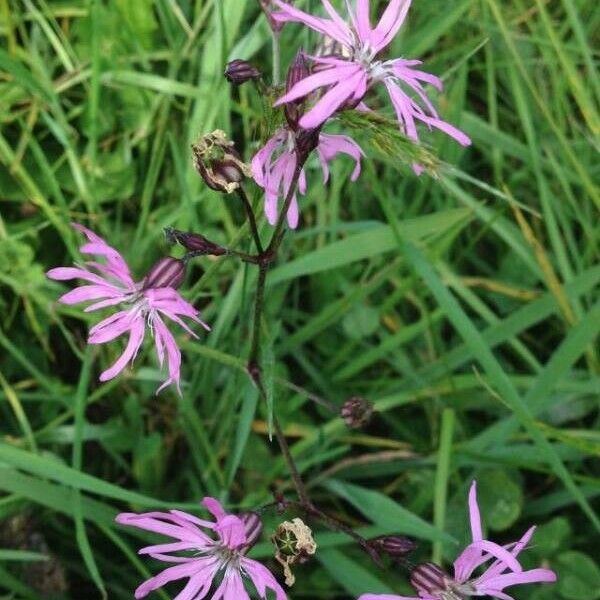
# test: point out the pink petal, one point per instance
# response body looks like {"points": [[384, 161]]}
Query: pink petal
{"points": [[332, 145], [469, 559], [474, 515], [392, 19], [401, 103], [363, 22], [232, 531], [136, 336], [487, 585], [320, 79], [393, 597], [462, 138], [182, 571], [498, 567], [67, 273], [262, 579], [351, 87], [199, 585], [112, 327], [214, 507], [288, 13], [163, 549], [164, 524], [85, 293], [166, 342], [232, 587], [98, 246]]}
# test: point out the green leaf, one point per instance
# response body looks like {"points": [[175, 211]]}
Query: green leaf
{"points": [[383, 511], [578, 576]]}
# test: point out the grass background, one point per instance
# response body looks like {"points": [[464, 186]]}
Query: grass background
{"points": [[472, 324]]}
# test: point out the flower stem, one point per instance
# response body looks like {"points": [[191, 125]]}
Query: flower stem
{"points": [[251, 218]]}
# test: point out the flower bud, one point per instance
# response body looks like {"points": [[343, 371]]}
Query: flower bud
{"points": [[219, 163], [253, 527], [194, 242], [428, 578], [298, 71], [396, 546], [294, 544], [356, 412], [167, 272], [239, 71]]}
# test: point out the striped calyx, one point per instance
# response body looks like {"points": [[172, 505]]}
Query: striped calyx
{"points": [[167, 272], [253, 527], [430, 579]]}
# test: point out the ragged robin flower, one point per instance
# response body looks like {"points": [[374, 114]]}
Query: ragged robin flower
{"points": [[500, 564], [210, 555], [143, 305]]}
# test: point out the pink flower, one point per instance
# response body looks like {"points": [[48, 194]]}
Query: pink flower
{"points": [[208, 558], [142, 304], [347, 78], [273, 167], [431, 583]]}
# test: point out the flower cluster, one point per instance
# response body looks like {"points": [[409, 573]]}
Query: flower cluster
{"points": [[340, 81]]}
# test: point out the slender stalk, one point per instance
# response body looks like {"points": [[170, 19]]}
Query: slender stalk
{"points": [[254, 357], [295, 473], [251, 218]]}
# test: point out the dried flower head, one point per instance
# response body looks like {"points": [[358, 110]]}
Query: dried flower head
{"points": [[356, 412], [294, 544], [219, 163]]}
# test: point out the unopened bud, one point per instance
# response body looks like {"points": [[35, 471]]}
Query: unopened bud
{"points": [[356, 412], [428, 579], [219, 163], [194, 242], [253, 528], [396, 546], [239, 71], [298, 71], [167, 272], [294, 544]]}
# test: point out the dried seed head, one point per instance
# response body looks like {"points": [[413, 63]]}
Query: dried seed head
{"points": [[253, 528], [167, 272], [239, 71], [219, 163], [294, 544], [194, 242], [356, 412], [396, 546], [428, 578]]}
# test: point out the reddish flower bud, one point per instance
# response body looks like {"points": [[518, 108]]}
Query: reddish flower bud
{"points": [[239, 71], [356, 412], [396, 546], [219, 163], [194, 242], [167, 272], [428, 578], [298, 71]]}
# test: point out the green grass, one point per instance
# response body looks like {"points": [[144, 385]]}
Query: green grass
{"points": [[464, 306]]}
